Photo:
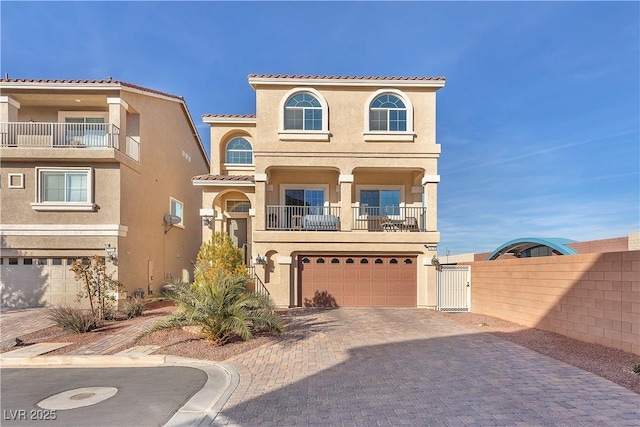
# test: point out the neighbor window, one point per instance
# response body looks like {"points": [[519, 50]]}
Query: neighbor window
{"points": [[303, 112], [65, 188], [387, 113], [177, 209], [379, 202], [239, 152]]}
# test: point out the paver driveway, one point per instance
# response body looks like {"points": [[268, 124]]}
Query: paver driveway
{"points": [[413, 367]]}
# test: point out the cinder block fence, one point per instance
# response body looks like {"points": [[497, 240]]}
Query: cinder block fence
{"points": [[592, 297]]}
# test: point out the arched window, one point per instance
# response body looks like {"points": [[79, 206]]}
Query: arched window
{"points": [[239, 152], [335, 261], [379, 261], [303, 111], [387, 112], [349, 261], [320, 261]]}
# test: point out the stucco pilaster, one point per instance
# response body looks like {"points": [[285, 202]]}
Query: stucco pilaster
{"points": [[118, 117], [8, 109], [346, 217], [259, 207], [430, 183]]}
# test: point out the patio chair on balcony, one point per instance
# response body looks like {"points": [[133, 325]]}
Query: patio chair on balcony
{"points": [[410, 224]]}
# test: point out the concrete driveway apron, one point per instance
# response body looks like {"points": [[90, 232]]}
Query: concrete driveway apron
{"points": [[413, 367]]}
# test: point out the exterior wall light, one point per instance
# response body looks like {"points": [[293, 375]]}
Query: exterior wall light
{"points": [[260, 260], [110, 250]]}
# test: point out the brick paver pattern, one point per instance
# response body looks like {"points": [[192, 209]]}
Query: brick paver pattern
{"points": [[410, 367]]}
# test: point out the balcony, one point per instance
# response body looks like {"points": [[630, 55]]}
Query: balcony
{"points": [[327, 218], [66, 136]]}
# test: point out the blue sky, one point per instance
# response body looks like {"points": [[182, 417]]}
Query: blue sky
{"points": [[539, 120]]}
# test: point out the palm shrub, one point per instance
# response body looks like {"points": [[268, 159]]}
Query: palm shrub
{"points": [[222, 307]]}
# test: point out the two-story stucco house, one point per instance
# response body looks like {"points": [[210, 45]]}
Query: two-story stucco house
{"points": [[95, 168], [331, 188]]}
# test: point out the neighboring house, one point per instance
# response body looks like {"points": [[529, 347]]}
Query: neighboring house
{"points": [[331, 188], [92, 168]]}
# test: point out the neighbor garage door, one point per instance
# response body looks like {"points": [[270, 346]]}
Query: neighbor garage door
{"points": [[31, 282], [357, 281]]}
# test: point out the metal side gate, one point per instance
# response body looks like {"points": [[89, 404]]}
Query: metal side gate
{"points": [[454, 288]]}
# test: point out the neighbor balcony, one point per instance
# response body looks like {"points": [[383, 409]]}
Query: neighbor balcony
{"points": [[66, 135]]}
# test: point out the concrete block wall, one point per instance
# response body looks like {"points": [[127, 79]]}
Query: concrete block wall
{"points": [[592, 297]]}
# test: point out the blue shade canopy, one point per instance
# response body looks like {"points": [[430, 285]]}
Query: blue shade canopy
{"points": [[303, 100], [524, 244], [387, 101]]}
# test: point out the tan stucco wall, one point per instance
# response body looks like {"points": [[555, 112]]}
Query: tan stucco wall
{"points": [[590, 297]]}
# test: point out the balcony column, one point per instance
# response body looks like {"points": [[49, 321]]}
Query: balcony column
{"points": [[346, 211], [260, 198], [8, 109], [430, 184], [118, 117]]}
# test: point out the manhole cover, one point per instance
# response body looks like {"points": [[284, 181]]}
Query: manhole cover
{"points": [[77, 398]]}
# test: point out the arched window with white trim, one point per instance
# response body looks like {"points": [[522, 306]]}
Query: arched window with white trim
{"points": [[303, 112], [387, 113], [239, 152], [304, 116], [388, 116]]}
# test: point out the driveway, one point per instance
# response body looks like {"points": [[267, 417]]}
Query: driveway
{"points": [[414, 367]]}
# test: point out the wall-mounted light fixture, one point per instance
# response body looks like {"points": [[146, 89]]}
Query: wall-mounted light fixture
{"points": [[435, 261], [207, 221], [260, 260], [110, 250], [431, 247]]}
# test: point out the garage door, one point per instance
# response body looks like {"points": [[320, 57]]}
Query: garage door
{"points": [[32, 282], [357, 281]]}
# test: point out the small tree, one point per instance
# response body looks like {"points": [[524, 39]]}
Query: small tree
{"points": [[216, 256], [99, 286]]}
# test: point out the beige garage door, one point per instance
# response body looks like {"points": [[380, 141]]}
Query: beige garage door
{"points": [[32, 282], [357, 281]]}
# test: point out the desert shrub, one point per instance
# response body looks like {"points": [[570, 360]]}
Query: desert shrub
{"points": [[218, 255], [98, 286], [222, 307], [133, 307], [636, 369], [73, 319]]}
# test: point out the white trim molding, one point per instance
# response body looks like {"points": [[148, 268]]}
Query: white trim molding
{"points": [[10, 183], [260, 177], [407, 135], [9, 100], [428, 179], [118, 101], [113, 230], [285, 260], [345, 178]]}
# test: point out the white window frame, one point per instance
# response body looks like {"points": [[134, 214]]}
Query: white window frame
{"points": [[399, 188], [40, 205], [173, 200], [300, 134], [240, 166], [389, 136], [19, 175]]}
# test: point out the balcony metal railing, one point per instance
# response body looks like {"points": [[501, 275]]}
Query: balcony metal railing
{"points": [[73, 135], [303, 218], [389, 218]]}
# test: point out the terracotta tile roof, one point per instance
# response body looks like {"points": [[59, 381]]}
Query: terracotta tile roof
{"points": [[230, 116], [231, 178], [90, 82], [288, 76]]}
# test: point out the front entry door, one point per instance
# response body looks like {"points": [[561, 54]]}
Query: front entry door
{"points": [[237, 228]]}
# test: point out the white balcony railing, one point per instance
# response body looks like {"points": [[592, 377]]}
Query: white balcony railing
{"points": [[75, 135], [389, 218], [303, 218]]}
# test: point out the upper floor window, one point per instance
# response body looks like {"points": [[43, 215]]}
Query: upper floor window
{"points": [[64, 189], [388, 117], [239, 152], [387, 113], [304, 116], [304, 112]]}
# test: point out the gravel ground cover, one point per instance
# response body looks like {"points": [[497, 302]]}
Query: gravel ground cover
{"points": [[612, 364]]}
